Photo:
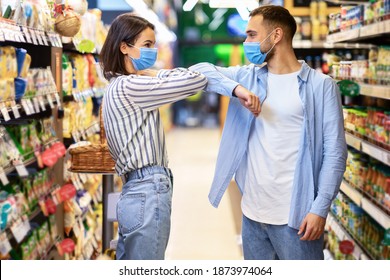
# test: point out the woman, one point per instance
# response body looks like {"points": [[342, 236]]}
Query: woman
{"points": [[135, 134]]}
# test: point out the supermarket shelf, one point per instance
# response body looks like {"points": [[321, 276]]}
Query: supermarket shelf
{"points": [[26, 163], [363, 200], [352, 193], [12, 32], [368, 148], [376, 213], [343, 234], [365, 32], [375, 91], [308, 44]]}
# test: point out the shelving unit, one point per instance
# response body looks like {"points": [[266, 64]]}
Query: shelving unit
{"points": [[45, 49], [366, 32], [343, 234], [364, 201], [380, 151], [368, 148]]}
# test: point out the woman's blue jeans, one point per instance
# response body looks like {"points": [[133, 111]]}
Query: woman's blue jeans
{"points": [[144, 214]]}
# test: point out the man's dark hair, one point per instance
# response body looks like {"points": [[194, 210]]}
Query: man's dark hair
{"points": [[125, 28], [277, 16]]}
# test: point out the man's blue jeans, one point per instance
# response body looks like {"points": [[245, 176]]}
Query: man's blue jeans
{"points": [[144, 214], [272, 242]]}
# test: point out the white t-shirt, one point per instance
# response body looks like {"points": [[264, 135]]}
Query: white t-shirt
{"points": [[273, 151]]}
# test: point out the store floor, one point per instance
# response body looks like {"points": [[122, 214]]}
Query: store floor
{"points": [[198, 231]]}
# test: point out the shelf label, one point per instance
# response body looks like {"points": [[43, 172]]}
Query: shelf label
{"points": [[44, 38], [42, 103], [30, 106], [351, 193], [15, 110], [27, 34], [21, 169], [33, 37], [379, 154], [26, 107], [58, 100], [50, 99], [3, 177], [18, 230], [5, 246], [4, 112], [351, 140], [36, 105], [376, 213]]}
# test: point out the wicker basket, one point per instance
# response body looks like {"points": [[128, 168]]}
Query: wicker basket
{"points": [[94, 158]]}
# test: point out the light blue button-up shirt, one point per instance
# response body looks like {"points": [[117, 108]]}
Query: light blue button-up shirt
{"points": [[322, 151]]}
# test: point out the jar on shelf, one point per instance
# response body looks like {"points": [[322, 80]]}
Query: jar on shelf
{"points": [[306, 29]]}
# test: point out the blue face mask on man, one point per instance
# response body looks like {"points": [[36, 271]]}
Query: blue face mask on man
{"points": [[253, 52], [147, 58]]}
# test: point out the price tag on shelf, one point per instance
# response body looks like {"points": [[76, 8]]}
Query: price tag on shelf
{"points": [[5, 246], [58, 99], [15, 110], [26, 224], [83, 178], [18, 231], [39, 38], [21, 37], [33, 37], [27, 34], [8, 35], [44, 38], [42, 103], [36, 105], [50, 99], [83, 134], [30, 106], [76, 229], [3, 177], [26, 107], [4, 112], [21, 169]]}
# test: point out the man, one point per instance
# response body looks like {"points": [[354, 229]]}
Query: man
{"points": [[289, 161]]}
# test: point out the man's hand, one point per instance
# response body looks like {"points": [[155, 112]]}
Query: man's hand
{"points": [[312, 226], [248, 100], [147, 72]]}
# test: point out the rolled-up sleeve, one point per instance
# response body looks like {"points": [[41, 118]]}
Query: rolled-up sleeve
{"points": [[221, 80]]}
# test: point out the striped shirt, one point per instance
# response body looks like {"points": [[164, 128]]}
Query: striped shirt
{"points": [[134, 130]]}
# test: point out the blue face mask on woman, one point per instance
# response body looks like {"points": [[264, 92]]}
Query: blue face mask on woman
{"points": [[253, 52], [147, 59]]}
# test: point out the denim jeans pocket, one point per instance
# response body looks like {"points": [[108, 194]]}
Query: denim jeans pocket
{"points": [[163, 184], [131, 211]]}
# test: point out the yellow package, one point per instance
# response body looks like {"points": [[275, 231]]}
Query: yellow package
{"points": [[8, 62], [26, 66], [67, 124]]}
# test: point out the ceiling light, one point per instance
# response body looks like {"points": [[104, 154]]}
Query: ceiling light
{"points": [[189, 5]]}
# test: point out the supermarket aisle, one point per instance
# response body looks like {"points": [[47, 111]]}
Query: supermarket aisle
{"points": [[199, 231]]}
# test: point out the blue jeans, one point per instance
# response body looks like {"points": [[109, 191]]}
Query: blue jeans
{"points": [[144, 214], [273, 242]]}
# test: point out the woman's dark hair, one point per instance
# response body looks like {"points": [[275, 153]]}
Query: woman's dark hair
{"points": [[125, 28], [277, 16]]}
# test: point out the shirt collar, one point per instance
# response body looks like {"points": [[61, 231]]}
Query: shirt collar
{"points": [[303, 73]]}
